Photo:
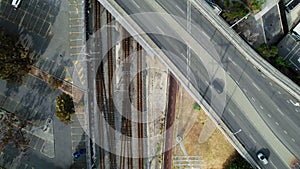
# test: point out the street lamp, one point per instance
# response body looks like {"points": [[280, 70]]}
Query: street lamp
{"points": [[245, 17], [237, 132]]}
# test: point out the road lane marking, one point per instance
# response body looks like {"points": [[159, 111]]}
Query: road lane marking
{"points": [[159, 29], [279, 92], [255, 86], [237, 82], [135, 4], [179, 9], [229, 58], [253, 99], [252, 138], [280, 111], [287, 101], [269, 115], [296, 110], [293, 140], [231, 112], [245, 90], [261, 107], [277, 123], [285, 132], [263, 75]]}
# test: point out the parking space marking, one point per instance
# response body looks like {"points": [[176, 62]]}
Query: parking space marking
{"points": [[75, 32], [76, 47]]}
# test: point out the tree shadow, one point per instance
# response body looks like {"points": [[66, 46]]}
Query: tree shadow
{"points": [[235, 160]]}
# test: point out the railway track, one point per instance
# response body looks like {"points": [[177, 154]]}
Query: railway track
{"points": [[110, 114], [99, 87], [126, 128], [140, 105]]}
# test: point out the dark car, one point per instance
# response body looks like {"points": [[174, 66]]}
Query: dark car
{"points": [[218, 85], [77, 154]]}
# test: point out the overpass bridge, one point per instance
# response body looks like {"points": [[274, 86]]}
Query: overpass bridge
{"points": [[198, 48]]}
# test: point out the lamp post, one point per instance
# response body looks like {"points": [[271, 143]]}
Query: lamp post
{"points": [[245, 17], [237, 132]]}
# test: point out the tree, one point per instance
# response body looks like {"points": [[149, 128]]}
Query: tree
{"points": [[196, 106], [281, 63], [14, 60], [234, 10], [266, 51], [255, 5], [12, 131], [64, 107]]}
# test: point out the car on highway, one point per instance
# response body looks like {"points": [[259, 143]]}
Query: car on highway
{"points": [[218, 85], [262, 158]]}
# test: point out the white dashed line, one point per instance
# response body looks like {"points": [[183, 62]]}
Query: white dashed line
{"points": [[285, 132], [279, 92], [228, 73], [206, 82], [287, 101], [232, 61], [179, 9], [293, 140], [269, 115], [252, 138], [245, 90], [280, 111], [263, 75], [277, 123], [231, 112], [261, 107], [159, 29], [297, 110], [256, 86], [253, 99], [136, 4]]}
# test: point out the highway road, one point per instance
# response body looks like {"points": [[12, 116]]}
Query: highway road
{"points": [[274, 105]]}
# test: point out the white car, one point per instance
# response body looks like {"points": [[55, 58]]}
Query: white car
{"points": [[262, 158], [15, 3]]}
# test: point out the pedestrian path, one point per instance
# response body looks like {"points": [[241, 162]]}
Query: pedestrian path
{"points": [[79, 137]]}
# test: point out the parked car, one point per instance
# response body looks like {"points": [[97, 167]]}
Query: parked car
{"points": [[262, 158], [77, 154]]}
